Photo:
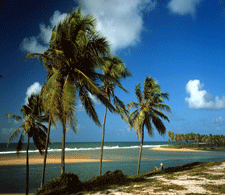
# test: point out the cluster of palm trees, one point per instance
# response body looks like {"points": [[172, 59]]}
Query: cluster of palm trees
{"points": [[76, 56], [189, 138]]}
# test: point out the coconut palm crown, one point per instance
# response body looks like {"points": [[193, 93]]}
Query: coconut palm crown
{"points": [[148, 111], [114, 70], [31, 127], [75, 52]]}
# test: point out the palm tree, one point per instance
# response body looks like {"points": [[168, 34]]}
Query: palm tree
{"points": [[148, 107], [113, 70], [76, 50], [32, 128]]}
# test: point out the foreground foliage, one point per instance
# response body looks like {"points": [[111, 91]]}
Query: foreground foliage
{"points": [[69, 183]]}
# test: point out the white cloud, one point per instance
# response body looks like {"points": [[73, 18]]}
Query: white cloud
{"points": [[31, 45], [200, 99], [183, 7], [38, 44], [121, 21], [34, 88]]}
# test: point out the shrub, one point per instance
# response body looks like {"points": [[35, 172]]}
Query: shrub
{"points": [[64, 184]]}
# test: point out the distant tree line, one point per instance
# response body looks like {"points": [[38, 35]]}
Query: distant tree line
{"points": [[193, 138]]}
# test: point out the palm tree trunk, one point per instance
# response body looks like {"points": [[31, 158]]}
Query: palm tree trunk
{"points": [[63, 150], [142, 139], [27, 166], [45, 156], [103, 137]]}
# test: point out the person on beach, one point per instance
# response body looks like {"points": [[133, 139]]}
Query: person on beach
{"points": [[161, 166]]}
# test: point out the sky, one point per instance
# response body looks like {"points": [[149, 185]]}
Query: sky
{"points": [[181, 43]]}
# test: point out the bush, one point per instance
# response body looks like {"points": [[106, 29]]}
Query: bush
{"points": [[110, 178], [64, 184]]}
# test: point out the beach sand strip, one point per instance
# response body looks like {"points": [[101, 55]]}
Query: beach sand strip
{"points": [[50, 160], [178, 150]]}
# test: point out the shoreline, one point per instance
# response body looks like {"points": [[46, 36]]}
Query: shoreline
{"points": [[50, 160], [177, 150]]}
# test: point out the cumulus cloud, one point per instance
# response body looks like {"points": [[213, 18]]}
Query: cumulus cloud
{"points": [[34, 88], [184, 7], [200, 99], [38, 44], [121, 21]]}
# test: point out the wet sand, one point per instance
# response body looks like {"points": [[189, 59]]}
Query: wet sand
{"points": [[50, 160], [178, 150]]}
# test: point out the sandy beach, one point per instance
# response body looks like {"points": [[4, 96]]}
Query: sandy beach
{"points": [[50, 160], [177, 150]]}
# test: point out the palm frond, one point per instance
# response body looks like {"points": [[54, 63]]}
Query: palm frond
{"points": [[157, 112], [39, 138], [14, 134], [19, 144], [148, 126], [162, 107], [138, 93], [88, 105], [16, 117], [158, 124], [69, 97]]}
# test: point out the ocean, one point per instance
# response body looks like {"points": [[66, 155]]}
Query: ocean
{"points": [[123, 154]]}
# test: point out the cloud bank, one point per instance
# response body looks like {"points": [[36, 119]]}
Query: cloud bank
{"points": [[200, 99], [121, 21], [38, 44], [184, 7], [34, 88]]}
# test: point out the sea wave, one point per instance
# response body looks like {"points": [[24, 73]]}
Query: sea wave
{"points": [[85, 149]]}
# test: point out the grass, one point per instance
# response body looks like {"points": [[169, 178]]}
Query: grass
{"points": [[69, 183], [215, 188], [166, 188]]}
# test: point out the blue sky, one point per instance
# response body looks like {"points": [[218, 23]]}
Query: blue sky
{"points": [[178, 42]]}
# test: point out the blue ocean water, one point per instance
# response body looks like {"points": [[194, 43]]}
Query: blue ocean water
{"points": [[124, 154]]}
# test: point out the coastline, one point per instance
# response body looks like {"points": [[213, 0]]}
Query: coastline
{"points": [[50, 160], [177, 150]]}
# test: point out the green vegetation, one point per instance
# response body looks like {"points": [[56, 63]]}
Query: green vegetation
{"points": [[215, 188], [148, 107], [113, 68], [31, 127], [69, 183], [192, 140], [66, 183]]}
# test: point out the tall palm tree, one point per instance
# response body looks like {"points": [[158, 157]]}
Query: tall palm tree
{"points": [[32, 128], [76, 50], [148, 107], [113, 70]]}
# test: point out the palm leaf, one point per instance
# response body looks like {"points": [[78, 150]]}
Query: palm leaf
{"points": [[88, 105], [14, 134], [138, 93], [161, 114], [158, 124], [16, 117], [19, 144]]}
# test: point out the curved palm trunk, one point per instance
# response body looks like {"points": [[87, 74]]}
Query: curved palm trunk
{"points": [[63, 150], [103, 137], [142, 139], [45, 156], [27, 166]]}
